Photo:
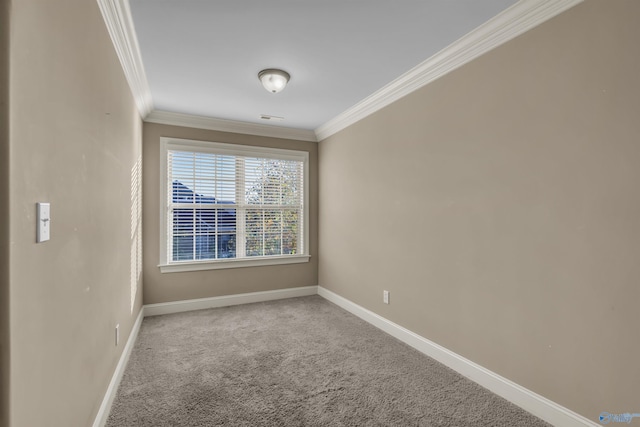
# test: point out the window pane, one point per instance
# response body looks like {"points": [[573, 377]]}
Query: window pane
{"points": [[206, 224], [292, 183], [181, 166], [215, 229], [290, 231], [183, 234], [205, 246], [272, 244], [226, 246], [226, 221], [182, 221], [272, 182], [264, 232], [226, 192], [272, 221], [225, 179], [181, 193], [204, 191], [253, 181], [203, 234], [254, 232], [206, 221], [182, 248]]}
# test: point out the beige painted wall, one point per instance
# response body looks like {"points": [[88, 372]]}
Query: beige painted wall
{"points": [[75, 141], [4, 212], [500, 207], [166, 287]]}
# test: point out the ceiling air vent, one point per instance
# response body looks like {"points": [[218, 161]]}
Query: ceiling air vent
{"points": [[271, 118]]}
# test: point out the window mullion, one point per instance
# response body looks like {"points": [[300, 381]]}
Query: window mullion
{"points": [[169, 211], [216, 233], [169, 228], [240, 210], [264, 189], [193, 201], [301, 208], [281, 212]]}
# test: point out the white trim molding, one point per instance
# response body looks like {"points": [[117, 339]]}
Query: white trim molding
{"points": [[119, 22], [227, 300], [519, 18], [110, 395], [200, 122], [232, 263], [117, 17], [531, 402]]}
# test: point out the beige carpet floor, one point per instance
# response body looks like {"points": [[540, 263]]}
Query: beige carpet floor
{"points": [[295, 362]]}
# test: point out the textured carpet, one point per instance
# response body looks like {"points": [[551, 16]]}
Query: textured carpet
{"points": [[295, 362]]}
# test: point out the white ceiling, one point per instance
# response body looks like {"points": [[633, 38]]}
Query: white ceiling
{"points": [[202, 57]]}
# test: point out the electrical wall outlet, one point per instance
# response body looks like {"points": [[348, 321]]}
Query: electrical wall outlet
{"points": [[117, 334], [385, 297]]}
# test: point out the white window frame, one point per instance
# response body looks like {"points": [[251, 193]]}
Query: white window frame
{"points": [[167, 144]]}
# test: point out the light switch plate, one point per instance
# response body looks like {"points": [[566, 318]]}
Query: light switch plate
{"points": [[43, 229]]}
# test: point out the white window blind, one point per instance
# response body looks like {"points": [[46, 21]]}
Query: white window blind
{"points": [[227, 205]]}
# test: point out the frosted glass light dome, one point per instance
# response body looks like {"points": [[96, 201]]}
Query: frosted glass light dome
{"points": [[274, 80]]}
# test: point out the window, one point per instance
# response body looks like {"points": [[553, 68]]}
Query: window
{"points": [[227, 205]]}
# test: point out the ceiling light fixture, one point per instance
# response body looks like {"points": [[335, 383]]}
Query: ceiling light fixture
{"points": [[274, 80]]}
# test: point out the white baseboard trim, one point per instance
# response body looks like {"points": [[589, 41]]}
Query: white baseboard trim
{"points": [[227, 300], [531, 402], [105, 407], [537, 405]]}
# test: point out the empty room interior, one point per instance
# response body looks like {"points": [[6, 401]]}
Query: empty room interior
{"points": [[319, 213]]}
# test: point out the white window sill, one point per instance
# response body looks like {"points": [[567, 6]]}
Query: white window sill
{"points": [[231, 263]]}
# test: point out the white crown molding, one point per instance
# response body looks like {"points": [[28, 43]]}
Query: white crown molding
{"points": [[117, 17], [200, 122], [519, 18], [531, 402]]}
